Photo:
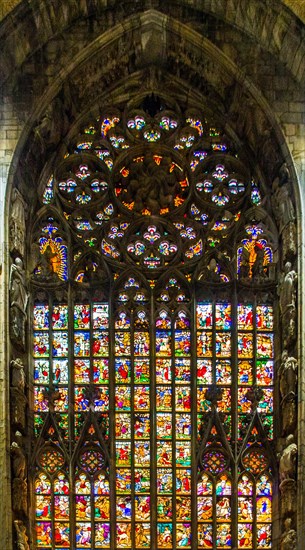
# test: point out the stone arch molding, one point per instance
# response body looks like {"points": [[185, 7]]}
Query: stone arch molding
{"points": [[145, 53], [149, 48], [35, 23]]}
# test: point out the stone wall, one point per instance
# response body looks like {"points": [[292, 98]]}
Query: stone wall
{"points": [[58, 60]]}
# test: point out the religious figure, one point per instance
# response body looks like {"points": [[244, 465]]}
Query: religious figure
{"points": [[213, 271], [22, 539], [258, 268], [19, 478], [289, 537], [20, 496], [287, 469], [244, 271], [18, 292], [18, 407], [289, 238], [45, 265], [18, 303], [287, 300], [17, 222], [19, 461], [289, 415], [18, 376], [284, 174], [287, 288], [54, 123], [288, 374], [282, 204]]}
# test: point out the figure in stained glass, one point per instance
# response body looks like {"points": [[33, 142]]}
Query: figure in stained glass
{"points": [[150, 371]]}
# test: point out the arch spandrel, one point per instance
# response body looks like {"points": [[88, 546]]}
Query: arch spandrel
{"points": [[216, 82], [252, 19]]}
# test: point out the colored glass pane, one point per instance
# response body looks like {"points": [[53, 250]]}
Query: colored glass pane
{"points": [[223, 371], [122, 370], [160, 384], [60, 344], [41, 317], [41, 344], [41, 371], [245, 317], [245, 345], [60, 371], [245, 376], [223, 316]]}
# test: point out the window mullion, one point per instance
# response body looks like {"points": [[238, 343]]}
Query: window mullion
{"points": [[234, 415], [112, 449], [71, 419], [132, 423], [174, 442], [194, 424], [153, 426]]}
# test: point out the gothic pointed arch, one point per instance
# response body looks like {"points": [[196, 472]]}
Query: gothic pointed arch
{"points": [[154, 301], [165, 233]]}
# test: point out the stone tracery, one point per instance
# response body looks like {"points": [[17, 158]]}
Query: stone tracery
{"points": [[207, 222]]}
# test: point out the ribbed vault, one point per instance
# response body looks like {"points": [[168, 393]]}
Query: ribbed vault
{"points": [[297, 6]]}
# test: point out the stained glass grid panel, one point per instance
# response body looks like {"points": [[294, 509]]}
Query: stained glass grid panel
{"points": [[56, 378], [86, 377], [255, 365], [254, 369], [132, 425], [171, 393]]}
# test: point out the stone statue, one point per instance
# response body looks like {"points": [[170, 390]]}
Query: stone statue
{"points": [[287, 469], [289, 414], [22, 539], [18, 303], [19, 479], [288, 377], [17, 222], [213, 271], [284, 212], [289, 537], [20, 496], [289, 239], [288, 373], [287, 300], [18, 407], [282, 204], [18, 376], [284, 174], [288, 489], [54, 123], [19, 462], [18, 292], [287, 288]]}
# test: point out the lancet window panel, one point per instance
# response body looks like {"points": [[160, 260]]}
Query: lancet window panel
{"points": [[230, 430], [156, 415], [153, 339]]}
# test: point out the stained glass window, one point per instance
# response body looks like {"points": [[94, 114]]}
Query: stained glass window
{"points": [[153, 340]]}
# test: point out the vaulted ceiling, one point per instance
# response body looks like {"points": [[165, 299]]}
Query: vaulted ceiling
{"points": [[297, 6]]}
